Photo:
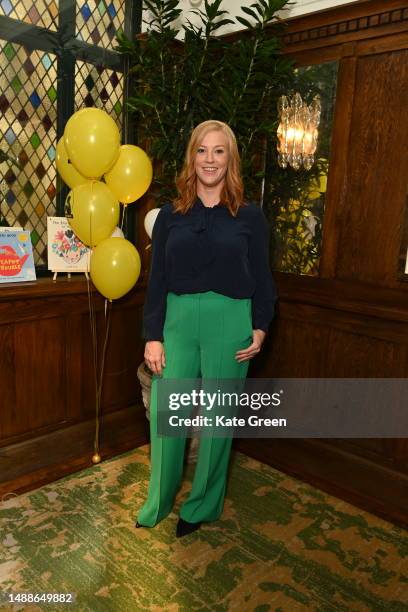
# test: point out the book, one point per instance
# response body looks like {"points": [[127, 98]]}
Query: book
{"points": [[66, 253], [16, 255]]}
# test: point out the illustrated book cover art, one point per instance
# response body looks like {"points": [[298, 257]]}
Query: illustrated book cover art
{"points": [[16, 255], [66, 253]]}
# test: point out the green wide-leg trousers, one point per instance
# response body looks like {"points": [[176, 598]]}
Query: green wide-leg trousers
{"points": [[202, 333]]}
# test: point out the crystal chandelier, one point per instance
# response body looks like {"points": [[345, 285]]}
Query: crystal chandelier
{"points": [[297, 131]]}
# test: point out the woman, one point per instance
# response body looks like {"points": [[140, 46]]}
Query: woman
{"points": [[209, 304]]}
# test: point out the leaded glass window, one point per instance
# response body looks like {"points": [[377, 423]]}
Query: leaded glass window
{"points": [[28, 126], [41, 13], [97, 21], [99, 86], [55, 59]]}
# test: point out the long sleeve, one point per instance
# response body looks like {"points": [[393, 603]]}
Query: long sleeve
{"points": [[264, 298], [154, 310]]}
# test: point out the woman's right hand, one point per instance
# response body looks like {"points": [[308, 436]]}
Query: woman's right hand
{"points": [[154, 356]]}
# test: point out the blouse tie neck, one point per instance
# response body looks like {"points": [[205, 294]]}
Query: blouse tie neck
{"points": [[203, 227]]}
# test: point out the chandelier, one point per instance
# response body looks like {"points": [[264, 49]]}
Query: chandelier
{"points": [[297, 131]]}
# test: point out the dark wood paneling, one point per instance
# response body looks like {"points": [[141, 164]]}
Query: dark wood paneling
{"points": [[7, 386], [47, 417], [34, 376], [337, 182], [41, 459], [329, 333], [372, 218], [75, 359], [124, 354], [352, 321], [46, 375], [40, 374], [348, 352]]}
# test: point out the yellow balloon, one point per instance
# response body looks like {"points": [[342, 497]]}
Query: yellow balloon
{"points": [[66, 169], [95, 212], [92, 140], [115, 267], [130, 177]]}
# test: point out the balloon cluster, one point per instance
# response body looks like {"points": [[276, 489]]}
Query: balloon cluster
{"points": [[102, 174]]}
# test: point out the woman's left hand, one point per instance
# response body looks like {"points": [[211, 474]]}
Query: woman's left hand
{"points": [[258, 336]]}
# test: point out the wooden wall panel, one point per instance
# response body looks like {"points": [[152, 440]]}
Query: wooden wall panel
{"points": [[75, 359], [123, 356], [372, 218], [348, 357], [284, 354], [308, 340], [352, 320], [33, 384], [40, 373], [8, 415], [47, 399]]}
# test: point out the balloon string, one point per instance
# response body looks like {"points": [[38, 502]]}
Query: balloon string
{"points": [[92, 311], [108, 311], [94, 337], [123, 218], [100, 383]]}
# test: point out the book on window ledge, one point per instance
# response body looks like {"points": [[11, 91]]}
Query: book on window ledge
{"points": [[66, 253], [16, 255]]}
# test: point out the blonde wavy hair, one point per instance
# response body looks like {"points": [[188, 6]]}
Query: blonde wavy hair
{"points": [[232, 194]]}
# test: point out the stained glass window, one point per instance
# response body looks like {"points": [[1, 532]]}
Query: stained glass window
{"points": [[41, 13], [28, 126], [101, 87], [97, 21], [32, 116]]}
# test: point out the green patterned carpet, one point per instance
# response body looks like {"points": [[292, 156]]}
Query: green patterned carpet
{"points": [[281, 545]]}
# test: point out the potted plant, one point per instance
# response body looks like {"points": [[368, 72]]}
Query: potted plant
{"points": [[144, 375]]}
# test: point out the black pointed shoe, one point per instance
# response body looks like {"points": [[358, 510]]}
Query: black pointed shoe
{"points": [[184, 528]]}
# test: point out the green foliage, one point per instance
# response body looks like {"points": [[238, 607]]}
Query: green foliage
{"points": [[177, 85]]}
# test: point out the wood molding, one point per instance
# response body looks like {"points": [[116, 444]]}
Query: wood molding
{"points": [[46, 287], [364, 299], [336, 193], [42, 459], [356, 21]]}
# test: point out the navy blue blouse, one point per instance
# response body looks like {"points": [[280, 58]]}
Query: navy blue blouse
{"points": [[207, 249]]}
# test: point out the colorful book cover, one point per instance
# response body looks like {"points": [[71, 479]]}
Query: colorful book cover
{"points": [[16, 255], [66, 253]]}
